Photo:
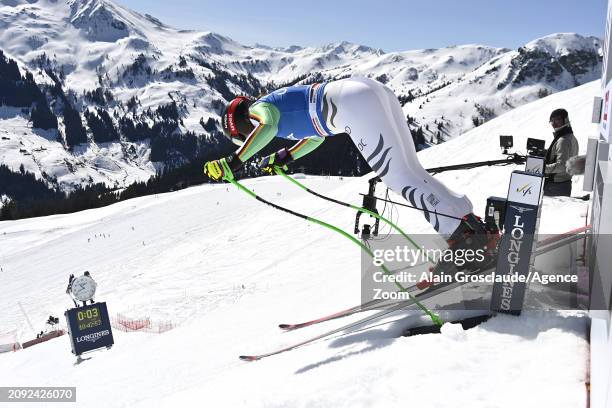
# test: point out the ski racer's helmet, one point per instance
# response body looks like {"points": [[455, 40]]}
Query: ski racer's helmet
{"points": [[235, 120]]}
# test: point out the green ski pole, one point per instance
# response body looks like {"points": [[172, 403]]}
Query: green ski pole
{"points": [[435, 318], [281, 173]]}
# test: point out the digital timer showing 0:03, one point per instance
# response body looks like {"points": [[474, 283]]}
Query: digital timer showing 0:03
{"points": [[88, 314]]}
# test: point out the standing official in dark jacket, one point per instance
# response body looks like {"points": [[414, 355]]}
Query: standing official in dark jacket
{"points": [[564, 145]]}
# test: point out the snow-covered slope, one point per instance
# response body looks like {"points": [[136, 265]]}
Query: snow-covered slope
{"points": [[99, 45], [40, 153], [226, 269]]}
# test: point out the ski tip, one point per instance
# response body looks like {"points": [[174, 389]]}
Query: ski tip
{"points": [[285, 326], [249, 358]]}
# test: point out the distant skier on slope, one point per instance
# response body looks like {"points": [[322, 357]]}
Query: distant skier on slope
{"points": [[371, 115]]}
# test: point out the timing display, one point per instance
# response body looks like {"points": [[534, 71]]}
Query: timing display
{"points": [[89, 328], [89, 318]]}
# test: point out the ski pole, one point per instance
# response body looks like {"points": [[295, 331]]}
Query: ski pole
{"points": [[413, 207], [435, 318], [281, 173]]}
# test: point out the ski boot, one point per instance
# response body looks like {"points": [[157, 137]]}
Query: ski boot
{"points": [[471, 237], [473, 234]]}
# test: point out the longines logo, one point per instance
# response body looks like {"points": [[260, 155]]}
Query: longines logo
{"points": [[93, 337], [521, 209], [517, 234]]}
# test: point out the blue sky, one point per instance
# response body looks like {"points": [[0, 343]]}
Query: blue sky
{"points": [[387, 24]]}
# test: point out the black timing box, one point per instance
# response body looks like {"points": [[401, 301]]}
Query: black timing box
{"points": [[495, 213]]}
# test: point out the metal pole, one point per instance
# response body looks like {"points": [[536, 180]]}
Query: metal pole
{"points": [[26, 316]]}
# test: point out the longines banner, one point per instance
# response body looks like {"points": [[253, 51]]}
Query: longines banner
{"points": [[516, 248]]}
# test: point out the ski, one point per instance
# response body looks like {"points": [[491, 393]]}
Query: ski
{"points": [[432, 291], [340, 231], [343, 313], [398, 306], [545, 244], [412, 299], [372, 304]]}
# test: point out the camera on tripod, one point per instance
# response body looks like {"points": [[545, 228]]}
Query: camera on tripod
{"points": [[535, 147], [506, 142]]}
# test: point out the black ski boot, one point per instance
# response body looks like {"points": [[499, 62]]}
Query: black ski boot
{"points": [[473, 247], [472, 235]]}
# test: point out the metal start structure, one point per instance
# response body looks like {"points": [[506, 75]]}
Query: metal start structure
{"points": [[598, 179], [517, 216], [369, 203]]}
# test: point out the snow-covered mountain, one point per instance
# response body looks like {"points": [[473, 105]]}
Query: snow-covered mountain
{"points": [[190, 257], [108, 58]]}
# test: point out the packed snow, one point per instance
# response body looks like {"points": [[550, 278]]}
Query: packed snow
{"points": [[227, 269]]}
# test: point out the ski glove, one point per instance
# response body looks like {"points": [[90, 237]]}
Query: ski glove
{"points": [[280, 159], [223, 168]]}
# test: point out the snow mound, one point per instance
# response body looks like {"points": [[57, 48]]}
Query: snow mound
{"points": [[453, 331]]}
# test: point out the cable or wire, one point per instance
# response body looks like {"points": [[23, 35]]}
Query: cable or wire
{"points": [[416, 208]]}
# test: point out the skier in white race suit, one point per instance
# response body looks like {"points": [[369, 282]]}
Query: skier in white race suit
{"points": [[370, 113]]}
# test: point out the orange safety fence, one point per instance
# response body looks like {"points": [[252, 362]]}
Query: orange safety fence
{"points": [[143, 324]]}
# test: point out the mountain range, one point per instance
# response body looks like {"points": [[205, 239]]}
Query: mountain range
{"points": [[149, 96]]}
